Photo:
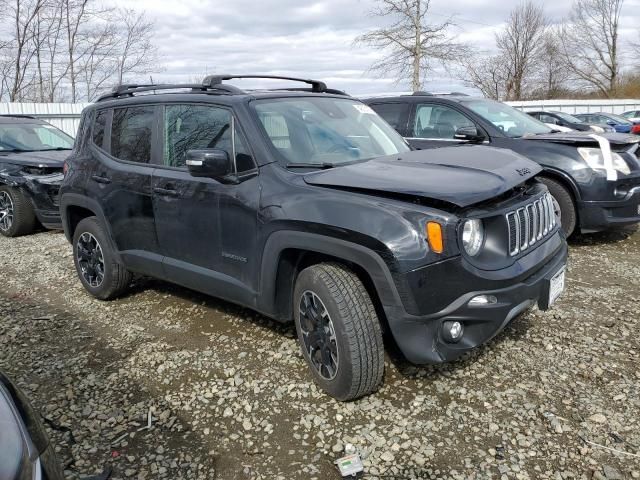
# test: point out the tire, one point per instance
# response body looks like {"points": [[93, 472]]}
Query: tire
{"points": [[352, 333], [16, 213], [101, 274], [563, 204]]}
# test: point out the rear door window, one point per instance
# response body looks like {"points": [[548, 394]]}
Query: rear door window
{"points": [[395, 114], [99, 126], [131, 131]]}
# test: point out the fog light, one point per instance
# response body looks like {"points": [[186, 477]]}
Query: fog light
{"points": [[452, 331], [482, 300]]}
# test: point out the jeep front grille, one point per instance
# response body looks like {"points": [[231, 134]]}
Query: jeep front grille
{"points": [[529, 224]]}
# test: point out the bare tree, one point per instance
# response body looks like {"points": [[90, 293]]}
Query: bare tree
{"points": [[22, 14], [552, 73], [487, 74], [136, 53], [590, 43], [519, 45], [411, 42]]}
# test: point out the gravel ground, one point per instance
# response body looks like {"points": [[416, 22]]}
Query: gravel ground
{"points": [[167, 383]]}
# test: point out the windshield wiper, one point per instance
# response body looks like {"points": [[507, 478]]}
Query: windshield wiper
{"points": [[321, 166], [54, 149]]}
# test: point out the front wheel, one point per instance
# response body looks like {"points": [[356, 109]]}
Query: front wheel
{"points": [[563, 204], [16, 213], [338, 331]]}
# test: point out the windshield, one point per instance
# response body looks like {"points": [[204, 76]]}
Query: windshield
{"points": [[326, 131], [512, 122], [568, 118], [619, 119], [33, 137]]}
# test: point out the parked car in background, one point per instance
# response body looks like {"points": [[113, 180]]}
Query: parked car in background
{"points": [[32, 154], [25, 451], [632, 116], [561, 119], [590, 193], [618, 122], [303, 204]]}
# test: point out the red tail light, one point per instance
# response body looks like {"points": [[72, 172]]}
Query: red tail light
{"points": [[65, 168], [636, 129]]}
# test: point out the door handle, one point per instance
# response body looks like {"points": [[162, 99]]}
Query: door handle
{"points": [[99, 179], [167, 192]]}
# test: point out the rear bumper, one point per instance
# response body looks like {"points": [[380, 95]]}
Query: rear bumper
{"points": [[420, 338], [602, 215]]}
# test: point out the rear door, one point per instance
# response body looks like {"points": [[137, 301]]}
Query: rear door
{"points": [[120, 182], [207, 229]]}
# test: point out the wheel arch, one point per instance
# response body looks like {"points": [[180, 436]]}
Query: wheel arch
{"points": [[75, 208], [286, 254], [564, 180]]}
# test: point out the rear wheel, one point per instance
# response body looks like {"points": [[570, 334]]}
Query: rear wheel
{"points": [[338, 331], [16, 213], [563, 204], [101, 274]]}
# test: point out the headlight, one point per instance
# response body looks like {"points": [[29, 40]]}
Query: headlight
{"points": [[595, 160], [472, 236]]}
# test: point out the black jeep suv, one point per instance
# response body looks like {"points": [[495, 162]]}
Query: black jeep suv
{"points": [[304, 205], [594, 178], [32, 154]]}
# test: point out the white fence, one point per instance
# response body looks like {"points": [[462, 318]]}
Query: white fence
{"points": [[65, 116]]}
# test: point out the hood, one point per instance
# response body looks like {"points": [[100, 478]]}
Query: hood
{"points": [[584, 139], [460, 175], [49, 158]]}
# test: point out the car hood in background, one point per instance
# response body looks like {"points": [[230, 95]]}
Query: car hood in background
{"points": [[49, 158], [460, 175], [584, 139]]}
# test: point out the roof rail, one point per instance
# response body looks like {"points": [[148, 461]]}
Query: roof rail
{"points": [[211, 84], [215, 80], [128, 90], [421, 92]]}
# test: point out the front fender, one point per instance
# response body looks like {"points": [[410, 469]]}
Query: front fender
{"points": [[365, 258]]}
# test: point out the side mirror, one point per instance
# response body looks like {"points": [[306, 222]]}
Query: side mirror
{"points": [[611, 122], [213, 163], [469, 134]]}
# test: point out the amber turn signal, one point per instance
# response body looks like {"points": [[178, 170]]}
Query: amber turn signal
{"points": [[434, 235]]}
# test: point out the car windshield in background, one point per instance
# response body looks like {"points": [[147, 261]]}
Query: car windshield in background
{"points": [[33, 137], [568, 118], [326, 131], [619, 119], [512, 122]]}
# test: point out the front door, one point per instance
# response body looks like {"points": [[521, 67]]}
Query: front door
{"points": [[206, 229]]}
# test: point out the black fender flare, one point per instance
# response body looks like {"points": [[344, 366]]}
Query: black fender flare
{"points": [[555, 174], [69, 200], [362, 256]]}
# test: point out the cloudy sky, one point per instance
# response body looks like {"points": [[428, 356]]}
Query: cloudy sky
{"points": [[313, 38]]}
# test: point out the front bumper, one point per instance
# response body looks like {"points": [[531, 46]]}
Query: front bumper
{"points": [[602, 215], [420, 338]]}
